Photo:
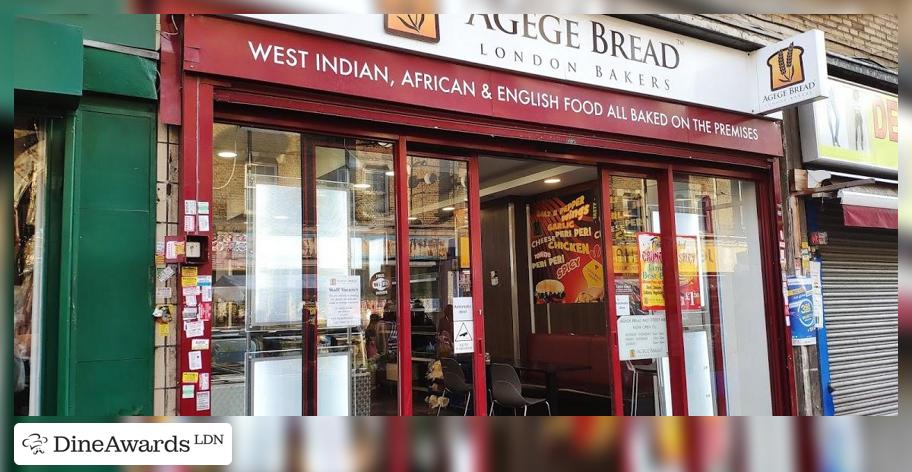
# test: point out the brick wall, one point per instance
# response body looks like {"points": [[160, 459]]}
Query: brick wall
{"points": [[871, 37]]}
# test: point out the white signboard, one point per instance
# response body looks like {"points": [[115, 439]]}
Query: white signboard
{"points": [[791, 72], [641, 336], [343, 300], [595, 50], [818, 292], [463, 326]]}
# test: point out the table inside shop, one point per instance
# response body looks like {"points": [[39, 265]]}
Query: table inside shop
{"points": [[550, 371]]}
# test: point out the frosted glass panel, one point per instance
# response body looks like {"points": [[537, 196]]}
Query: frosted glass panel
{"points": [[277, 249], [276, 386], [334, 384]]}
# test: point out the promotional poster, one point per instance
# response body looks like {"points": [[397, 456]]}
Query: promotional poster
{"points": [[651, 289], [566, 249]]}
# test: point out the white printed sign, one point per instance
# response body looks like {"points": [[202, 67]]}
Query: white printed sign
{"points": [[642, 337], [463, 326], [343, 301]]}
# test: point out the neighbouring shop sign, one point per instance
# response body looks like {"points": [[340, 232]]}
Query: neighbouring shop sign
{"points": [[802, 315], [595, 50], [276, 55], [857, 128], [651, 277], [565, 243]]}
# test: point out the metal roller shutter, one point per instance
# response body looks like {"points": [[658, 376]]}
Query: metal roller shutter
{"points": [[860, 299]]}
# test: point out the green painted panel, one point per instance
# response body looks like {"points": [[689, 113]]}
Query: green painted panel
{"points": [[121, 387], [115, 161], [112, 286], [119, 74], [48, 57], [107, 260], [138, 31]]}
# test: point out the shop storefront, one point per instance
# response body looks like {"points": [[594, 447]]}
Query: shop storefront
{"points": [[394, 229], [84, 206], [852, 138]]}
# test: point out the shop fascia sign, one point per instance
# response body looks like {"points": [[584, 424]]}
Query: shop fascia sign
{"points": [[595, 50], [856, 128]]}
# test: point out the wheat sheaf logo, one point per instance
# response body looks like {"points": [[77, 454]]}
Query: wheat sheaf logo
{"points": [[35, 442], [786, 67], [420, 26]]}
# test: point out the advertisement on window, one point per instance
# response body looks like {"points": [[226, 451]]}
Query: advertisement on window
{"points": [[651, 288], [566, 249]]}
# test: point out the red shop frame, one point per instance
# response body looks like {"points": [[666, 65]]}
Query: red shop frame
{"points": [[303, 110]]}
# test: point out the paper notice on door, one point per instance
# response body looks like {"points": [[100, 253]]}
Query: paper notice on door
{"points": [[190, 377], [189, 207], [190, 223], [343, 301], [202, 207], [162, 293], [204, 381], [190, 300], [203, 223], [622, 305], [191, 290], [187, 391], [165, 274], [463, 326], [202, 401], [193, 329], [642, 337], [204, 280], [205, 311], [199, 344], [206, 293], [196, 360]]}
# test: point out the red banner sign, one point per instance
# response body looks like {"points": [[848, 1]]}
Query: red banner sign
{"points": [[251, 51]]}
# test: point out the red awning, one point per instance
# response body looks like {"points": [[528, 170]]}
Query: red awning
{"points": [[870, 217]]}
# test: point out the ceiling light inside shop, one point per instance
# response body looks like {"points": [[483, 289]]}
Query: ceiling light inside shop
{"points": [[449, 208], [413, 218], [361, 186], [390, 173], [226, 154], [553, 180]]}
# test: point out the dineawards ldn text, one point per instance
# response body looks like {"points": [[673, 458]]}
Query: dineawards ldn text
{"points": [[115, 445]]}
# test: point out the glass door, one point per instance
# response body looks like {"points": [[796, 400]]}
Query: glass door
{"points": [[304, 271], [639, 300], [443, 333], [722, 302]]}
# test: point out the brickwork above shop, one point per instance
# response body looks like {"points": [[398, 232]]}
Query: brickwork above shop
{"points": [[868, 37]]}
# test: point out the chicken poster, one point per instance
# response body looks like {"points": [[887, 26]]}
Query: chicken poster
{"points": [[565, 243]]}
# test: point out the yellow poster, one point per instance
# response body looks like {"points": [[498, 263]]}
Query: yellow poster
{"points": [[189, 271], [651, 277], [650, 255], [190, 377]]}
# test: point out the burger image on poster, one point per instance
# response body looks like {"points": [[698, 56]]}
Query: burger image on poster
{"points": [[549, 290]]}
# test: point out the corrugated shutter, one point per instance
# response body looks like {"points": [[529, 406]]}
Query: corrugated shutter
{"points": [[860, 299]]}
